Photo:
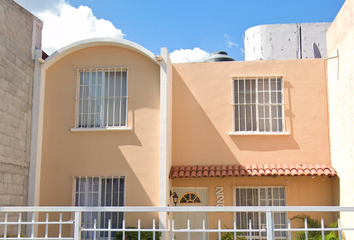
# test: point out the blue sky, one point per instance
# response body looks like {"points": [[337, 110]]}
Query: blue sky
{"points": [[208, 25]]}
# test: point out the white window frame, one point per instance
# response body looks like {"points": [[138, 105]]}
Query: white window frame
{"points": [[104, 111], [284, 225], [257, 104], [99, 203]]}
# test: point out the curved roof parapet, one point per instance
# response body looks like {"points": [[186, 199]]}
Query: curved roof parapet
{"points": [[92, 42]]}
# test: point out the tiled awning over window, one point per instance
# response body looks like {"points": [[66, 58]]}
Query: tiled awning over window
{"points": [[199, 171]]}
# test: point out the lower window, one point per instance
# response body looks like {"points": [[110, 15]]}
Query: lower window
{"points": [[260, 196], [100, 192]]}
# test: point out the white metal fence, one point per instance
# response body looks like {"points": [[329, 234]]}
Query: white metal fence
{"points": [[38, 223]]}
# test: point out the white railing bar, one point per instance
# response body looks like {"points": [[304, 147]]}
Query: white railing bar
{"points": [[77, 233], [46, 225], [60, 225], [94, 227], [322, 227], [28, 238], [139, 233], [235, 228], [109, 227], [153, 228], [181, 209], [204, 229], [219, 228], [19, 226], [250, 227], [5, 227], [169, 228], [339, 232], [311, 229], [173, 230], [189, 228], [306, 231], [289, 228], [36, 223], [270, 229], [126, 230], [32, 228], [123, 227], [213, 230]]}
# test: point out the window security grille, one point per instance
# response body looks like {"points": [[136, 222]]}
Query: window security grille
{"points": [[102, 97], [104, 192], [261, 196], [258, 104]]}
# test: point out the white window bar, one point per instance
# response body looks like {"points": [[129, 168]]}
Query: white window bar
{"points": [[101, 97], [258, 104]]}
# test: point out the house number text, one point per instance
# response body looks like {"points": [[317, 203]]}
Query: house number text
{"points": [[219, 191]]}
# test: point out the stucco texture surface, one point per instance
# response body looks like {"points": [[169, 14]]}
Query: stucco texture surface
{"points": [[340, 37], [202, 114], [133, 154]]}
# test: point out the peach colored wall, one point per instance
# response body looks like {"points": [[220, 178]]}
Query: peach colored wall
{"points": [[202, 114], [134, 154], [340, 36], [300, 191]]}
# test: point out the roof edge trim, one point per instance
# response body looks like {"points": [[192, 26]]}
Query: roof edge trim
{"points": [[92, 42]]}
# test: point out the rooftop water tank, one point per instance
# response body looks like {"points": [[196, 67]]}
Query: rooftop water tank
{"points": [[219, 56]]}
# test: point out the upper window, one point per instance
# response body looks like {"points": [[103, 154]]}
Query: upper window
{"points": [[258, 104], [102, 98]]}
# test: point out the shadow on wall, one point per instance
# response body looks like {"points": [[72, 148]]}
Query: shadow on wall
{"points": [[272, 142], [195, 138], [61, 189]]}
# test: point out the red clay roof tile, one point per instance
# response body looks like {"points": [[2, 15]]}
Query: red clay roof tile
{"points": [[251, 170]]}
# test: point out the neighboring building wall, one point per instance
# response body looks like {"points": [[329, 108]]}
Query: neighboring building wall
{"points": [[20, 34], [133, 153], [268, 42], [285, 41], [341, 98], [313, 33], [202, 114]]}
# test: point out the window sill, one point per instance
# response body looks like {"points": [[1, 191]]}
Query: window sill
{"points": [[101, 129], [258, 133]]}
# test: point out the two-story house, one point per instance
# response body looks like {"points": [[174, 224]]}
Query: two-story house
{"points": [[119, 126]]}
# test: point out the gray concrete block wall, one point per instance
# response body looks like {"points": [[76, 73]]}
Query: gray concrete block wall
{"points": [[16, 83]]}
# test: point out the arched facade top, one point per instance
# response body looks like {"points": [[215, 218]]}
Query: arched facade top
{"points": [[76, 46]]}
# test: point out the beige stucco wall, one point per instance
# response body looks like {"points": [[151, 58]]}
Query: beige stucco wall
{"points": [[202, 114], [134, 154], [300, 191], [340, 37]]}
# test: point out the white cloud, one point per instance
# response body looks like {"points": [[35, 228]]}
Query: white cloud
{"points": [[189, 55], [65, 24], [38, 6], [230, 44]]}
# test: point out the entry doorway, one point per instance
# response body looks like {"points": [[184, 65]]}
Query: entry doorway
{"points": [[191, 197]]}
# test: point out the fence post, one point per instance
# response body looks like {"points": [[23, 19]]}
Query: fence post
{"points": [[270, 230], [77, 226]]}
